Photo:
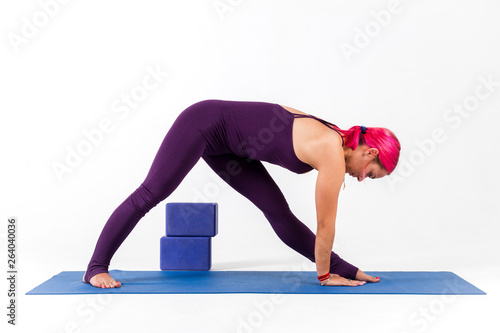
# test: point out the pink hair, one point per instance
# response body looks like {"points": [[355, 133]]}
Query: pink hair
{"points": [[375, 137]]}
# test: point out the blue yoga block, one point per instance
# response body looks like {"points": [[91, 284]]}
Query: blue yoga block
{"points": [[191, 219], [185, 253]]}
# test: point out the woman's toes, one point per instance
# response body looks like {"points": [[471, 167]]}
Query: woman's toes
{"points": [[104, 281]]}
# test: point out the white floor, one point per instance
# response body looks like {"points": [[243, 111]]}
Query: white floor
{"points": [[259, 312]]}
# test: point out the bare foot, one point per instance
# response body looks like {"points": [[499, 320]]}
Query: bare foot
{"points": [[365, 277], [104, 280]]}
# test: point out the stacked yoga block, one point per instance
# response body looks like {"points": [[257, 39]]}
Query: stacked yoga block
{"points": [[189, 231]]}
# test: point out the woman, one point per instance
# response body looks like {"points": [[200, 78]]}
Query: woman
{"points": [[233, 137]]}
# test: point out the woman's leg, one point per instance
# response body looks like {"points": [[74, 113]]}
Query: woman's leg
{"points": [[251, 179], [181, 148]]}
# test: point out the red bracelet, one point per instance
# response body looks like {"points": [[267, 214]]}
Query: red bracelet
{"points": [[324, 277]]}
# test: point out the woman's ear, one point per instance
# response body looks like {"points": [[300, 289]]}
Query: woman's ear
{"points": [[372, 152]]}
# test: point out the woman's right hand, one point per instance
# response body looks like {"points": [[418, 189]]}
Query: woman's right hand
{"points": [[337, 280], [362, 278]]}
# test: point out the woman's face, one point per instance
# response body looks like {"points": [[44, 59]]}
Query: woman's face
{"points": [[362, 163]]}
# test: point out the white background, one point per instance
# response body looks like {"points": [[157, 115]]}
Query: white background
{"points": [[436, 212]]}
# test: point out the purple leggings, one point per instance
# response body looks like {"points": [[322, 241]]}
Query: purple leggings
{"points": [[233, 138]]}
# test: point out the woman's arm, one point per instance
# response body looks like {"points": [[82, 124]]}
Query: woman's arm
{"points": [[331, 171]]}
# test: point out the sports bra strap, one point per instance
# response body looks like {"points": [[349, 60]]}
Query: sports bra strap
{"points": [[324, 122]]}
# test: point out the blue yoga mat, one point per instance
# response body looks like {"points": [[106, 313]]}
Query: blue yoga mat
{"points": [[256, 282]]}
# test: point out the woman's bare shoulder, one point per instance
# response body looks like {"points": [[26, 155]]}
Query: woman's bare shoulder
{"points": [[312, 140], [292, 110]]}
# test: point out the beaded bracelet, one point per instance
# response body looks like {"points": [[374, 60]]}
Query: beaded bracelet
{"points": [[324, 282], [323, 277]]}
